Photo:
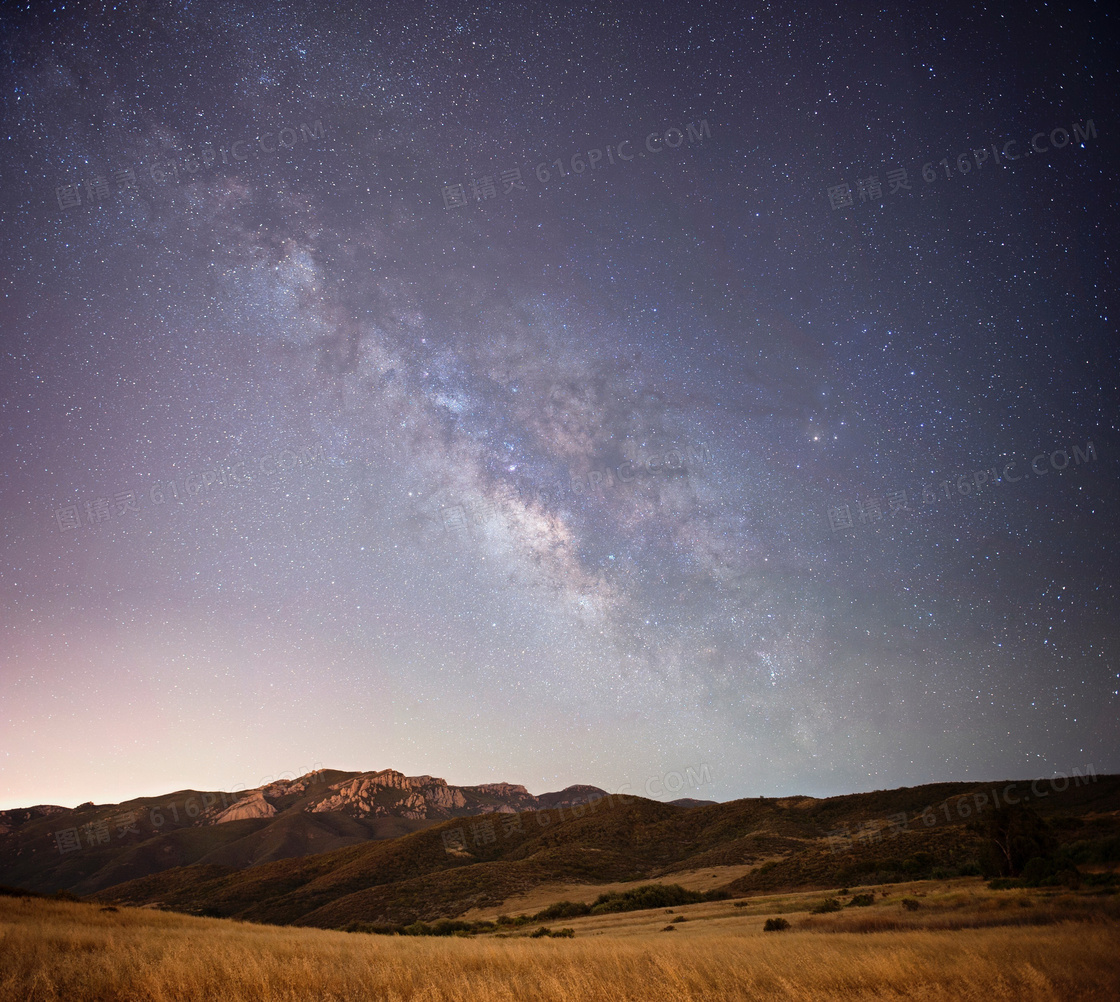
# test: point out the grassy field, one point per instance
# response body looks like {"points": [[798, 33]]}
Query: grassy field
{"points": [[954, 940]]}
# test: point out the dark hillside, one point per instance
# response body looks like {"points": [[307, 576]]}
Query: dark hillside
{"points": [[459, 864]]}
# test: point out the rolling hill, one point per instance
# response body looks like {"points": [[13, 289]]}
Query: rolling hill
{"points": [[459, 864], [93, 846]]}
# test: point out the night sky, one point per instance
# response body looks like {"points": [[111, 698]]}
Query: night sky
{"points": [[329, 439]]}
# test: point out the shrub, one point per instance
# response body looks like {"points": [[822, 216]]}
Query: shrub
{"points": [[558, 934], [646, 896], [871, 871], [1099, 879], [1004, 884], [1104, 850], [444, 927], [826, 906], [669, 928], [1070, 878], [920, 862], [1037, 870], [775, 925], [679, 918], [911, 904], [862, 900], [970, 869], [563, 909], [1040, 872]]}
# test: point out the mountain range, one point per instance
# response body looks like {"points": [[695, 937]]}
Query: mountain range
{"points": [[351, 850], [94, 846]]}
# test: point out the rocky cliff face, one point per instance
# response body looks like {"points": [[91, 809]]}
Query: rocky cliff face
{"points": [[253, 806], [384, 793], [280, 819], [389, 792]]}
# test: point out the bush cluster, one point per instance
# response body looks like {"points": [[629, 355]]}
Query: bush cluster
{"points": [[442, 927], [1041, 873], [646, 896], [891, 870], [635, 899], [455, 927]]}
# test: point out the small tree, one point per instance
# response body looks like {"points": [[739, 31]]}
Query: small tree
{"points": [[1015, 835]]}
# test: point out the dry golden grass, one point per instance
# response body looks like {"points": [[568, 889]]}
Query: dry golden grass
{"points": [[54, 950]]}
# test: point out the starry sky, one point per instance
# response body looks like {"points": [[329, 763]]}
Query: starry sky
{"points": [[355, 413]]}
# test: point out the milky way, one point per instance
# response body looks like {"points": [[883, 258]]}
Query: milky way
{"points": [[556, 396]]}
